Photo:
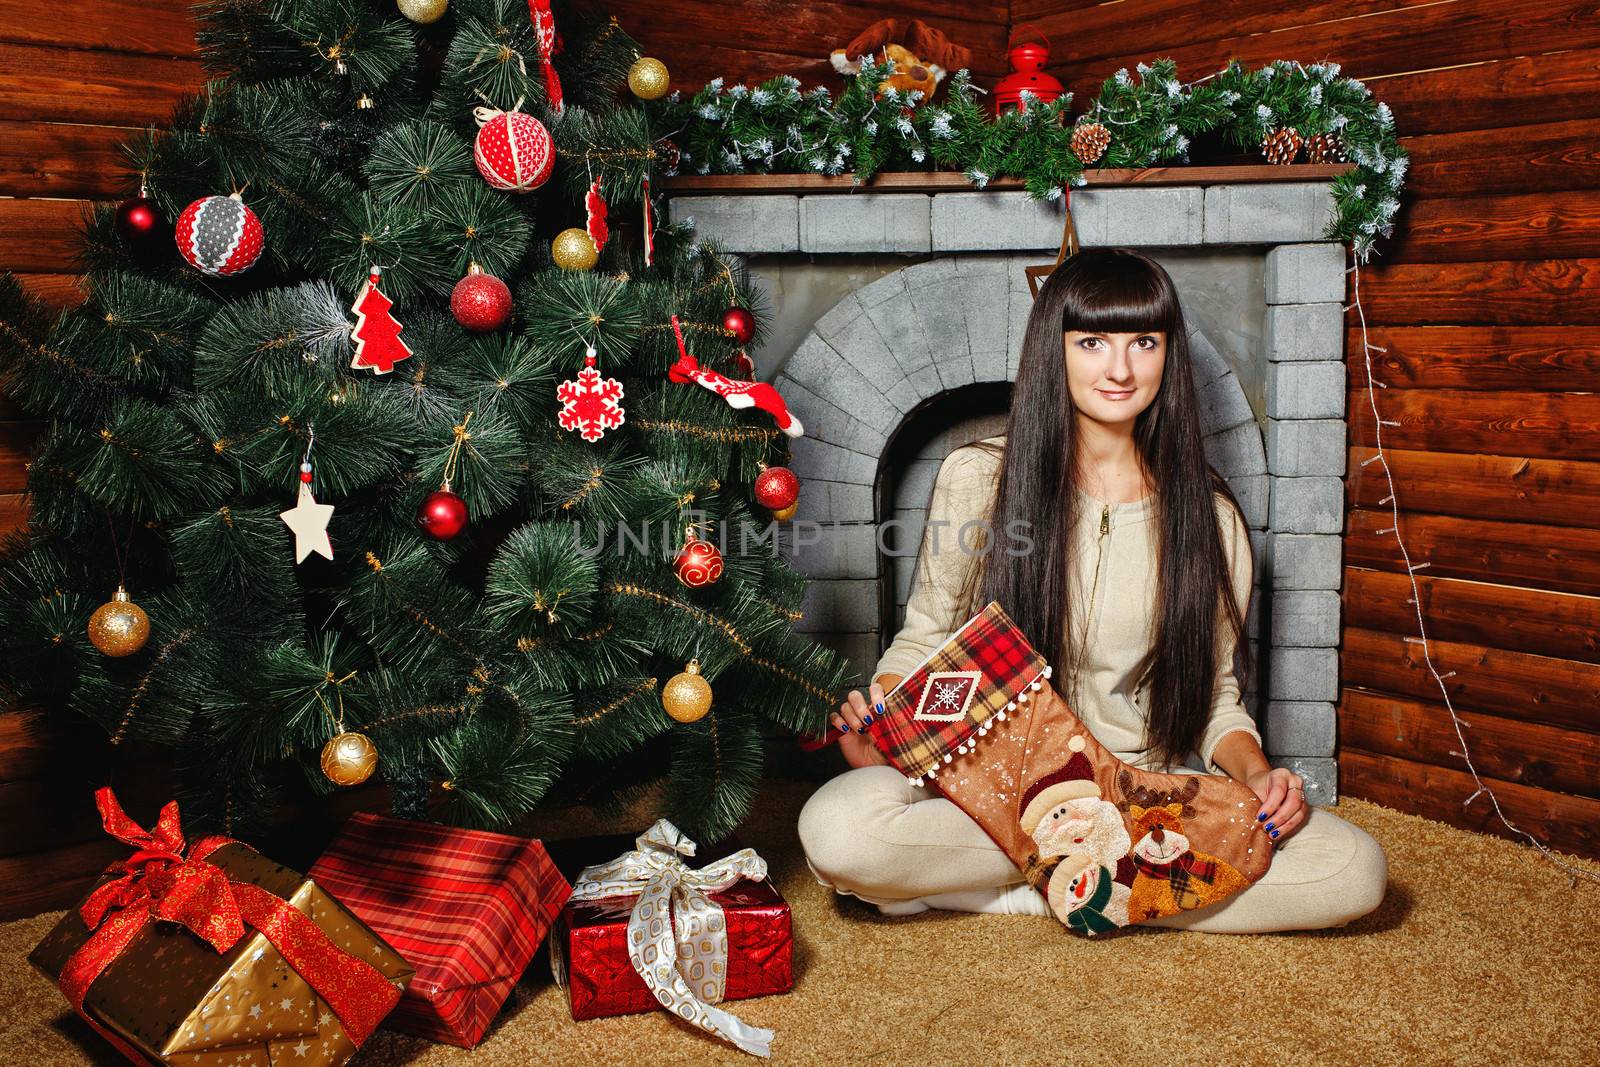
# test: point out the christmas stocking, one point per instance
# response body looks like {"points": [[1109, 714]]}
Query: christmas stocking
{"points": [[738, 394], [1107, 844]]}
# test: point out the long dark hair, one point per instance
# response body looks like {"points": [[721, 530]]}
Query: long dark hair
{"points": [[1114, 290]]}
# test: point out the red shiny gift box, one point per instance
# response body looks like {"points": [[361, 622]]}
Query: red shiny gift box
{"points": [[589, 945], [466, 908]]}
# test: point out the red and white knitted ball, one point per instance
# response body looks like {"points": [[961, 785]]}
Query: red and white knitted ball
{"points": [[514, 151], [220, 235]]}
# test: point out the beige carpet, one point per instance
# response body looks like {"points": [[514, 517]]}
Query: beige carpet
{"points": [[1481, 953]]}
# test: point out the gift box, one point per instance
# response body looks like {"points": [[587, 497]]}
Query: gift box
{"points": [[466, 908], [211, 953], [650, 929]]}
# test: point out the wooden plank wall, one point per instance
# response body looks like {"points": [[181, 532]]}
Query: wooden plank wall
{"points": [[1488, 303]]}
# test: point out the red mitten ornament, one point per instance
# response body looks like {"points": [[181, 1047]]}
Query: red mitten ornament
{"points": [[513, 150], [376, 332], [738, 394], [595, 205], [220, 235], [480, 301], [591, 405]]}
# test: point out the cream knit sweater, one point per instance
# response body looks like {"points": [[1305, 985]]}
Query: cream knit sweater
{"points": [[1109, 698]]}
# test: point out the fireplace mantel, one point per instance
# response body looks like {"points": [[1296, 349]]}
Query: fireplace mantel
{"points": [[935, 306]]}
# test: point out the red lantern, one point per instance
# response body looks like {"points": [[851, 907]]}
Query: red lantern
{"points": [[739, 324], [776, 488], [1029, 53], [443, 515], [698, 563]]}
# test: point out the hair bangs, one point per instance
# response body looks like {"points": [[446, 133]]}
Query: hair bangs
{"points": [[1123, 295]]}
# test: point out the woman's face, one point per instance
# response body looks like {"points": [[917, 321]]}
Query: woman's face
{"points": [[1112, 377]]}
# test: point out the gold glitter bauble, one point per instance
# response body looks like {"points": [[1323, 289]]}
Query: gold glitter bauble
{"points": [[423, 11], [687, 696], [785, 514], [349, 758], [648, 78], [119, 627], [573, 249]]}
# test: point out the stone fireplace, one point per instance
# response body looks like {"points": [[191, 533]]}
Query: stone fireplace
{"points": [[896, 329]]}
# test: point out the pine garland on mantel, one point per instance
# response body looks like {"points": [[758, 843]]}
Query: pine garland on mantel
{"points": [[1283, 108]]}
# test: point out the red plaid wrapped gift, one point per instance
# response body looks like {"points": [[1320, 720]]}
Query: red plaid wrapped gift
{"points": [[466, 908], [646, 930]]}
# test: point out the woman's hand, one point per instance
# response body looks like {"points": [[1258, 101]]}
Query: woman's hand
{"points": [[1283, 802], [852, 718]]}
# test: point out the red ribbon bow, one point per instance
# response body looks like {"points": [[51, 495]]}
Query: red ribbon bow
{"points": [[159, 882]]}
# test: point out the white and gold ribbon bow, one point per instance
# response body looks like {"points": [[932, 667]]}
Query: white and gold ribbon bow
{"points": [[677, 935]]}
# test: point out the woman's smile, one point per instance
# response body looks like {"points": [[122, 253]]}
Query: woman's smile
{"points": [[1118, 394]]}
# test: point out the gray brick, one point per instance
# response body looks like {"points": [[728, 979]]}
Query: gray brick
{"points": [[1208, 363], [1320, 775], [1304, 331], [1305, 618], [1305, 561], [743, 223], [841, 550], [900, 327], [1305, 390], [1300, 728], [845, 605], [1308, 505], [1306, 274], [830, 462], [1253, 491], [865, 222], [1144, 216], [835, 501], [861, 649], [1300, 447], [1237, 451], [857, 340], [1303, 674], [995, 221], [1268, 213], [1223, 405]]}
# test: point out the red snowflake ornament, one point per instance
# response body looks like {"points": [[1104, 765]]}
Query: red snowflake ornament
{"points": [[591, 405]]}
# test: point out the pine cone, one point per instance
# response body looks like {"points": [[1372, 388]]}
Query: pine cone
{"points": [[1281, 145], [1089, 141], [667, 155], [1325, 148]]}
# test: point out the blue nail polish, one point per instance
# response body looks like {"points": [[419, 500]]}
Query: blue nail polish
{"points": [[866, 720], [1260, 815], [878, 707], [1274, 833], [1269, 826], [844, 727]]}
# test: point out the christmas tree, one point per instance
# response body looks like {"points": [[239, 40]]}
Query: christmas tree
{"points": [[505, 601]]}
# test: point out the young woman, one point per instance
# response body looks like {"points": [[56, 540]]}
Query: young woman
{"points": [[1140, 608]]}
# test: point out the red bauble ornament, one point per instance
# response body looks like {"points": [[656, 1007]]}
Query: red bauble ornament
{"points": [[513, 150], [443, 515], [139, 219], [698, 563], [776, 488], [739, 323], [481, 302], [220, 235]]}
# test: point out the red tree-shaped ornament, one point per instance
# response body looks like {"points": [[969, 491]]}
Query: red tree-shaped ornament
{"points": [[376, 332]]}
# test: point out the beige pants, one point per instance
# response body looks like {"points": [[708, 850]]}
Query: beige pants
{"points": [[874, 835]]}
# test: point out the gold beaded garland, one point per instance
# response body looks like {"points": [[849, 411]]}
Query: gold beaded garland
{"points": [[349, 758], [648, 78], [687, 695], [423, 11], [119, 627], [573, 249]]}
